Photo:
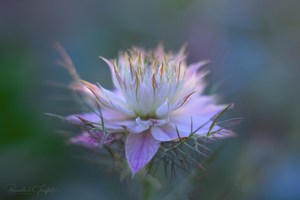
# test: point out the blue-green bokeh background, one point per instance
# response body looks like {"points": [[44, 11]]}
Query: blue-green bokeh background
{"points": [[254, 48]]}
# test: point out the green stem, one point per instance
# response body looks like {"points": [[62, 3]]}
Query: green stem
{"points": [[146, 189]]}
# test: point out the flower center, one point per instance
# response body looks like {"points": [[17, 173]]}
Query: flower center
{"points": [[150, 83]]}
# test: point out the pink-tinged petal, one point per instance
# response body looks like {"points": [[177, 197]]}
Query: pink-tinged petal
{"points": [[140, 149], [91, 89], [82, 87], [111, 119], [112, 115], [193, 68], [92, 139], [85, 139], [193, 78], [165, 133], [91, 117], [107, 114]]}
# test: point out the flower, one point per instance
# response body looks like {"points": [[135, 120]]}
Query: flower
{"points": [[157, 98]]}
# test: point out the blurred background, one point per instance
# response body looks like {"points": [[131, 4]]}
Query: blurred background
{"points": [[253, 46]]}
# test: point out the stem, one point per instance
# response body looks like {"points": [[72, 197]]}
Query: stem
{"points": [[146, 190]]}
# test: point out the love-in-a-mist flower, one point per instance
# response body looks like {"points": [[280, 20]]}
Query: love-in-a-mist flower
{"points": [[157, 98]]}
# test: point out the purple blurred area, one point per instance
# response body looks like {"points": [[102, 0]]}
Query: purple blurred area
{"points": [[253, 47]]}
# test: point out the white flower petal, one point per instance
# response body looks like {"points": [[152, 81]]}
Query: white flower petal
{"points": [[113, 101], [110, 117], [163, 109], [152, 122], [111, 67], [200, 105], [187, 124], [198, 125], [144, 99], [193, 68], [223, 133], [164, 133], [167, 107], [132, 126]]}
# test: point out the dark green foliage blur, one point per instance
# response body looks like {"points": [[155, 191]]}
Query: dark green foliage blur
{"points": [[254, 49]]}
